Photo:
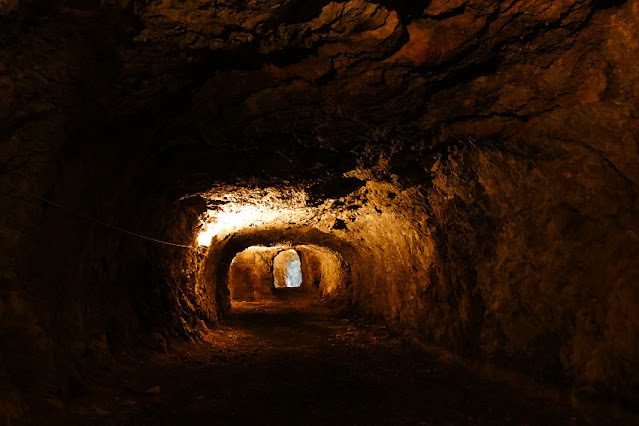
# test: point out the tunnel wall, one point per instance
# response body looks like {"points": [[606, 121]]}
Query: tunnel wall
{"points": [[503, 258], [325, 271], [250, 275], [311, 272], [74, 290], [387, 228], [554, 272]]}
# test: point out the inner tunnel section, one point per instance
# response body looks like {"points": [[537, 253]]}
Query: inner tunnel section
{"points": [[259, 272]]}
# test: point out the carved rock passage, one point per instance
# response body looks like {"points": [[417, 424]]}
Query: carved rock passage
{"points": [[497, 141]]}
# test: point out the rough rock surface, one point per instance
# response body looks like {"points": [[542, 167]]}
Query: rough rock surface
{"points": [[496, 142], [250, 275]]}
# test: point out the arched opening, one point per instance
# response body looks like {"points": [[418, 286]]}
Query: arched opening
{"points": [[287, 270]]}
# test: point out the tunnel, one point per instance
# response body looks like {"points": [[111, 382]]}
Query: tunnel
{"points": [[319, 212]]}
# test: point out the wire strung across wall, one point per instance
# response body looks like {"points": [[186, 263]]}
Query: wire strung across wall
{"points": [[98, 221]]}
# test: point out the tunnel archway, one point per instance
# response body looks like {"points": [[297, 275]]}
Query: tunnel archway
{"points": [[338, 256]]}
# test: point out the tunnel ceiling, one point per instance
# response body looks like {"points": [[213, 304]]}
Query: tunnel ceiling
{"points": [[308, 89]]}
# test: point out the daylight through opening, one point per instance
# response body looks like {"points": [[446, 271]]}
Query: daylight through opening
{"points": [[287, 270]]}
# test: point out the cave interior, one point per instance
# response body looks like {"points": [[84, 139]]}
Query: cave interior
{"points": [[319, 212]]}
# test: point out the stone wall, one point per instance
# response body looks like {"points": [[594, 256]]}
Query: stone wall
{"points": [[250, 275]]}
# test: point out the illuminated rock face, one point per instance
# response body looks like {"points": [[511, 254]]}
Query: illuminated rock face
{"points": [[250, 275], [491, 152]]}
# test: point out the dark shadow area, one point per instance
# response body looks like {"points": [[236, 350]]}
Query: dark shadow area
{"points": [[295, 360]]}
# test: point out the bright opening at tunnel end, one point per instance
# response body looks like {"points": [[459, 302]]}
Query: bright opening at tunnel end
{"points": [[287, 271], [294, 274]]}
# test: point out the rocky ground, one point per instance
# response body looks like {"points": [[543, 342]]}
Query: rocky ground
{"points": [[295, 361]]}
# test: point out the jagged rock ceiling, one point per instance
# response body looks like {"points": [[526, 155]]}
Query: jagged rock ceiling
{"points": [[305, 80]]}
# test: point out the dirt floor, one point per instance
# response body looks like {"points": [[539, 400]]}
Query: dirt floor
{"points": [[293, 361]]}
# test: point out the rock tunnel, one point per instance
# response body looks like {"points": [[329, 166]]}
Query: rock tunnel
{"points": [[458, 180]]}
